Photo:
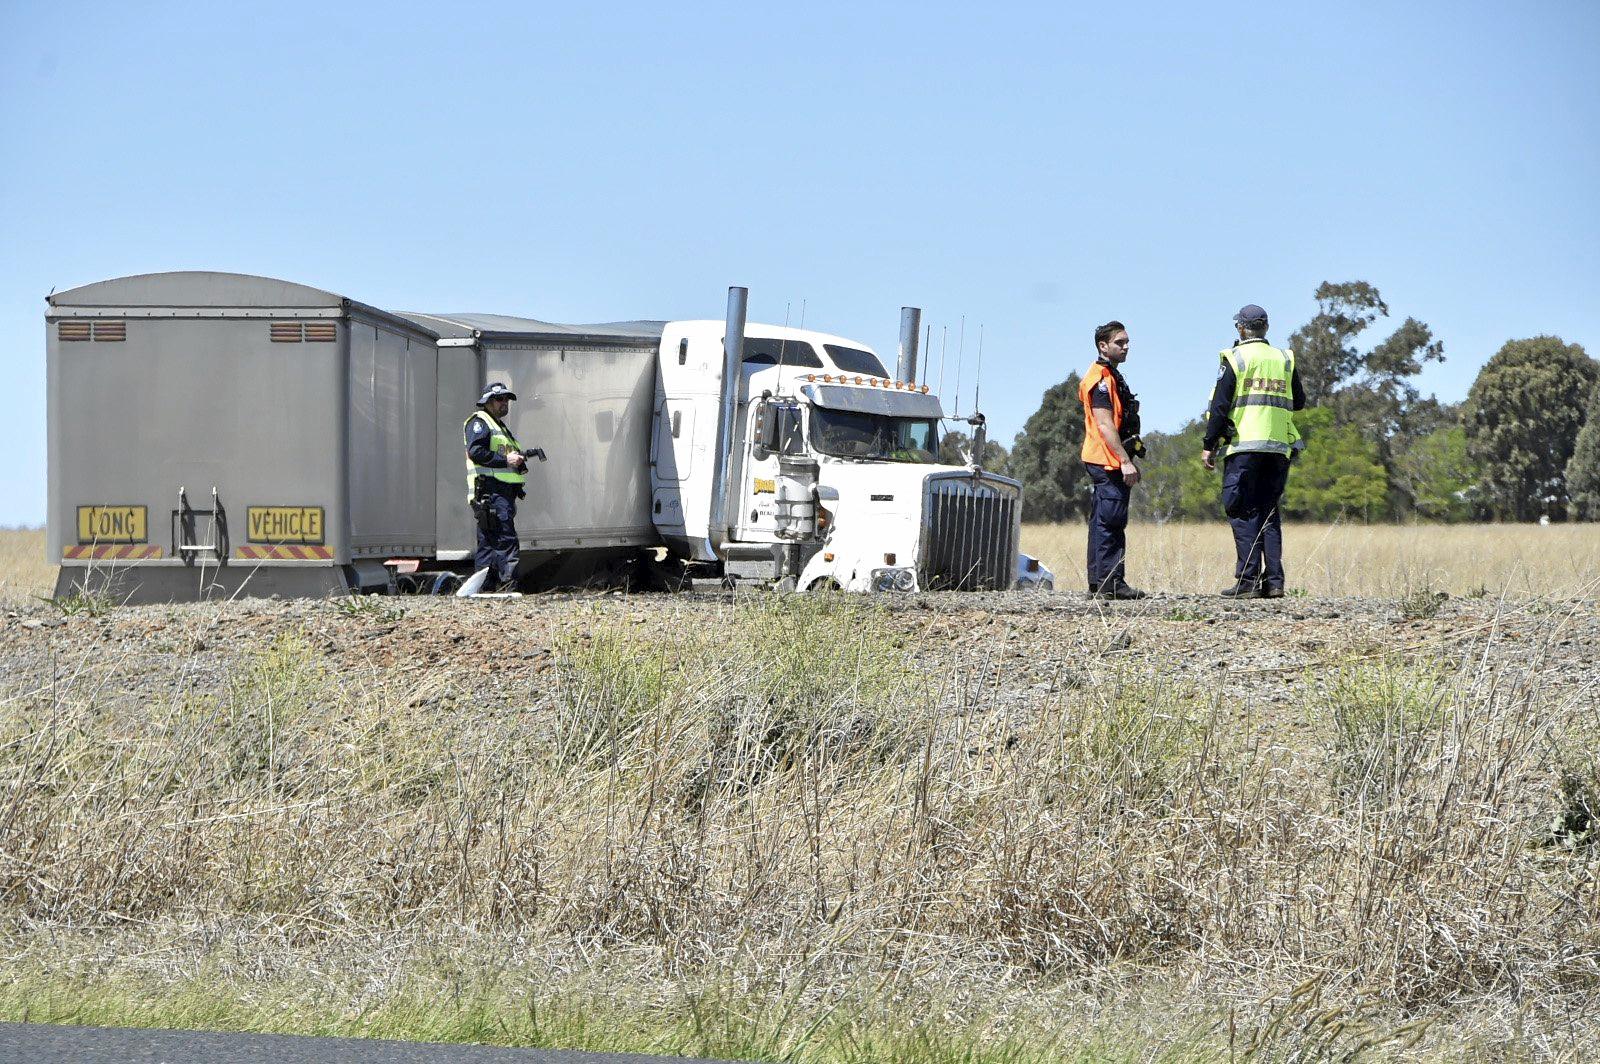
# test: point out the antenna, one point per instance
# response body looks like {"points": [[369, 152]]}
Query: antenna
{"points": [[802, 314], [961, 346], [977, 387], [783, 345], [944, 343]]}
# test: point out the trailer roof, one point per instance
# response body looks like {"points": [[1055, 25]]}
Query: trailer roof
{"points": [[195, 288], [506, 327]]}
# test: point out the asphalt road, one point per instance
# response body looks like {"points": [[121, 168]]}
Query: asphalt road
{"points": [[37, 1043]]}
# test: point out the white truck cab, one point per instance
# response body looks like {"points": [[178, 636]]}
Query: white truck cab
{"points": [[832, 476]]}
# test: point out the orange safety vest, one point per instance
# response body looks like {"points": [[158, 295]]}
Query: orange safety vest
{"points": [[1095, 449]]}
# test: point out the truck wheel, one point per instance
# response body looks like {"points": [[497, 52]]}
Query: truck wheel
{"points": [[444, 584]]}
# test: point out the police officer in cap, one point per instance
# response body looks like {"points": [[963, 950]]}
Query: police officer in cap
{"points": [[496, 473], [1250, 425], [1110, 444]]}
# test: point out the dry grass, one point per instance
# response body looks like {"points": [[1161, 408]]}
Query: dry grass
{"points": [[24, 572], [812, 851], [1384, 561], [1389, 561]]}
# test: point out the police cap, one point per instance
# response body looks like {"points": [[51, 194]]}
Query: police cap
{"points": [[1250, 314], [496, 391]]}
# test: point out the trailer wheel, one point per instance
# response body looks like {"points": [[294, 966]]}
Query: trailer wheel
{"points": [[827, 583], [444, 584]]}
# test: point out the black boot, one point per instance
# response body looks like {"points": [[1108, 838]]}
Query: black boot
{"points": [[1118, 589], [1243, 589]]}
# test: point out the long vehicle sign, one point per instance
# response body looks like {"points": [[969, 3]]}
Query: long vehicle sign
{"points": [[283, 524], [112, 524]]}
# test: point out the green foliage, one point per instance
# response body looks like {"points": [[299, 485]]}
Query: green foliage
{"points": [[369, 607], [1047, 456], [955, 448], [1174, 485], [1374, 392], [1338, 474], [1379, 716], [1583, 469], [89, 603], [1439, 477], [1522, 418], [1324, 350]]}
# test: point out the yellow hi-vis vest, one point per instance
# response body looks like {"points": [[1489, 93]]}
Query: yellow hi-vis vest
{"points": [[1263, 400], [500, 441]]}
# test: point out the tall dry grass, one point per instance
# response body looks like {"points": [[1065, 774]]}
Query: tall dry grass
{"points": [[24, 572], [832, 854], [1388, 561], [1385, 561]]}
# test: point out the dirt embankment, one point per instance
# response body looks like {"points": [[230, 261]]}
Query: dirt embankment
{"points": [[1015, 643]]}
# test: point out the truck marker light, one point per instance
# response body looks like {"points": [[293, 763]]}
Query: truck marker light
{"points": [[811, 376], [827, 555], [888, 559], [858, 380], [924, 389]]}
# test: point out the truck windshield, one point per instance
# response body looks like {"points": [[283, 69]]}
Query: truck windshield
{"points": [[848, 434]]}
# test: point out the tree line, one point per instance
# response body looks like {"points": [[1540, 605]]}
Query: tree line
{"points": [[1524, 445]]}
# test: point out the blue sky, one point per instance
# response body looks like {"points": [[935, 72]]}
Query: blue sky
{"points": [[1036, 168]]}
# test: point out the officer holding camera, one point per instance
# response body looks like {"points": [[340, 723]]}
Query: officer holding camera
{"points": [[497, 469]]}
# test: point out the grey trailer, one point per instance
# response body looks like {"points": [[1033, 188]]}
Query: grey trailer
{"points": [[586, 398], [218, 434]]}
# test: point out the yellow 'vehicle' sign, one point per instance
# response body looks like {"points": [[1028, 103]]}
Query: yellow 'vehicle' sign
{"points": [[112, 524], [283, 524]]}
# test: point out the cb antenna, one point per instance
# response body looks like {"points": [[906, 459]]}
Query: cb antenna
{"points": [[977, 387], [944, 342], [961, 346], [783, 344]]}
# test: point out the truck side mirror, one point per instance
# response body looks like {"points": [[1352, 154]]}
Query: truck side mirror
{"points": [[766, 432], [980, 438]]}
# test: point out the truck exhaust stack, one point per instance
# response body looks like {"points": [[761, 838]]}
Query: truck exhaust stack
{"points": [[910, 331], [732, 373]]}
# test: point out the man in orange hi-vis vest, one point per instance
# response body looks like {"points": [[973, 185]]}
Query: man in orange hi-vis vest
{"points": [[1110, 444]]}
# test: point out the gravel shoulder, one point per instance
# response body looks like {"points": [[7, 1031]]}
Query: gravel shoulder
{"points": [[1014, 645]]}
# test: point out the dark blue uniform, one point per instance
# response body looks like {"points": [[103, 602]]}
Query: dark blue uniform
{"points": [[1108, 528], [496, 511], [1252, 487]]}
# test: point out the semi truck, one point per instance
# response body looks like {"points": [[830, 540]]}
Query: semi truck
{"points": [[218, 434]]}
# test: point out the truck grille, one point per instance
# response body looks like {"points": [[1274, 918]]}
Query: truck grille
{"points": [[971, 539]]}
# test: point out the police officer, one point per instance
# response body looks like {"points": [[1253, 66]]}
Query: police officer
{"points": [[1110, 444], [1251, 419], [496, 473]]}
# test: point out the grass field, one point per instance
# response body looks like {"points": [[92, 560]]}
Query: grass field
{"points": [[1388, 561], [821, 829], [24, 572], [1382, 560]]}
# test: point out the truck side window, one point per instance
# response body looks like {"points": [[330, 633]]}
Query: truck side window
{"points": [[855, 360], [764, 351]]}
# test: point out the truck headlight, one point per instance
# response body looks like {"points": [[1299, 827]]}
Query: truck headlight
{"points": [[894, 579]]}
